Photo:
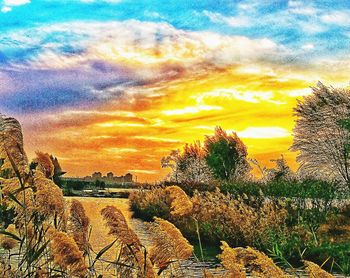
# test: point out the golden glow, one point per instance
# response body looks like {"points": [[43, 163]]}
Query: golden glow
{"points": [[133, 132]]}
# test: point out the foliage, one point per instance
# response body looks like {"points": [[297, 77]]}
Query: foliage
{"points": [[315, 271], [333, 255], [226, 155], [308, 188], [190, 188], [100, 184], [281, 171]]}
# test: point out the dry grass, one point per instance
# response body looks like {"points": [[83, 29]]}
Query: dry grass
{"points": [[315, 271], [239, 260], [168, 243], [66, 253], [99, 237], [180, 203]]}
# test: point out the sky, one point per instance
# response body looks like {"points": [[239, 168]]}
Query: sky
{"points": [[114, 85]]}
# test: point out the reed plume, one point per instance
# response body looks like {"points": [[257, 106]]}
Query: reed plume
{"points": [[48, 196], [168, 243], [131, 252], [11, 146], [118, 226], [253, 261], [26, 209], [78, 225], [315, 271], [45, 164], [262, 266], [229, 260], [7, 242], [9, 186], [66, 253], [181, 204]]}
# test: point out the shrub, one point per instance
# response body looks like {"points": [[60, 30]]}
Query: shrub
{"points": [[147, 204], [219, 216]]}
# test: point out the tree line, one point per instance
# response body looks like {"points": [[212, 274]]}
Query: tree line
{"points": [[321, 137]]}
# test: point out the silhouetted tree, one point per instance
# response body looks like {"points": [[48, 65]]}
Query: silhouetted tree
{"points": [[226, 155], [100, 184], [280, 172], [319, 137]]}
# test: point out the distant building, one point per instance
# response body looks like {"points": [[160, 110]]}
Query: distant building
{"points": [[96, 175], [110, 176], [128, 177]]}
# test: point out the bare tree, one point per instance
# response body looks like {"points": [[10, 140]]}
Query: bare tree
{"points": [[188, 165], [319, 137]]}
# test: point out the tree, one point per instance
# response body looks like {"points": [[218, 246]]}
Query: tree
{"points": [[188, 165], [281, 172], [319, 135], [226, 155]]}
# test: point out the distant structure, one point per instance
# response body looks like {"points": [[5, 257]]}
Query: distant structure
{"points": [[110, 178], [96, 176]]}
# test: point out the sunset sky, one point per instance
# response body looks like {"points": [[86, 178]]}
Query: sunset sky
{"points": [[114, 85]]}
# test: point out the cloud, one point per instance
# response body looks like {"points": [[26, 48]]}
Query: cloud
{"points": [[158, 139], [341, 18], [300, 8], [247, 96], [264, 132], [121, 150], [91, 62], [8, 4], [191, 110], [308, 46], [6, 9], [15, 2], [142, 171], [232, 21], [131, 43]]}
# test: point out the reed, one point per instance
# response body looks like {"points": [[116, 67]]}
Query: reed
{"points": [[66, 254], [238, 260], [169, 245], [78, 226], [180, 203], [315, 271]]}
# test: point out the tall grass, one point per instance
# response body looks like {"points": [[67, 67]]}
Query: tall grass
{"points": [[242, 221], [49, 237]]}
